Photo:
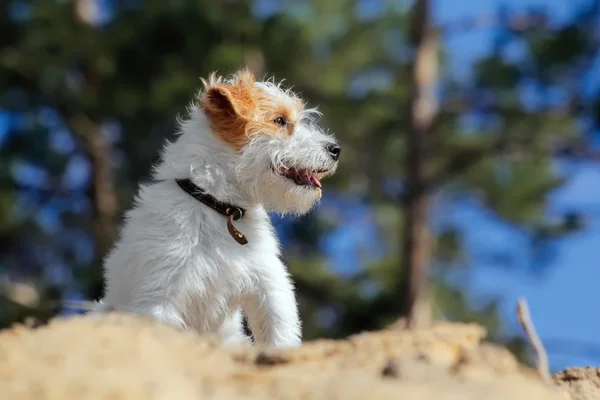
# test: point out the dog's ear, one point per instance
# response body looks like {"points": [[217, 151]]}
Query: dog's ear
{"points": [[230, 106], [230, 100], [224, 101]]}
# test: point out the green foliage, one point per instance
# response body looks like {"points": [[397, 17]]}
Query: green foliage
{"points": [[496, 73]]}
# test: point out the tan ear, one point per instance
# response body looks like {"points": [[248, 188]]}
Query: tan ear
{"points": [[229, 109], [234, 98], [226, 101], [230, 106]]}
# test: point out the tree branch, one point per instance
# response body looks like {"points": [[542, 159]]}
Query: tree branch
{"points": [[543, 367], [102, 191]]}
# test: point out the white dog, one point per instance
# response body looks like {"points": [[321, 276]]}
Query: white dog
{"points": [[198, 248]]}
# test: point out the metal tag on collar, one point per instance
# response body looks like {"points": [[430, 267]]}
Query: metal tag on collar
{"points": [[235, 234]]}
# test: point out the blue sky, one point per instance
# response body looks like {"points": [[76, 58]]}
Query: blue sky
{"points": [[564, 301]]}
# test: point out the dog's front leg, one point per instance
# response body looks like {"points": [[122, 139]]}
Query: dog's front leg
{"points": [[271, 308]]}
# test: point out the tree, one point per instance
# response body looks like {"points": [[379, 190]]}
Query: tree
{"points": [[416, 247]]}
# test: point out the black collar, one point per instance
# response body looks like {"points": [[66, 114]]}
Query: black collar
{"points": [[233, 213]]}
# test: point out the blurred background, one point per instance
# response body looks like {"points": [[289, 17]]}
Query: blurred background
{"points": [[470, 174]]}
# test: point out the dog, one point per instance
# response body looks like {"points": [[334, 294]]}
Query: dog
{"points": [[197, 249]]}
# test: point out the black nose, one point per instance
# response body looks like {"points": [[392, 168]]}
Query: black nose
{"points": [[334, 150]]}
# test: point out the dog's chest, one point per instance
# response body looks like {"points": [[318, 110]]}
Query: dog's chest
{"points": [[218, 258], [220, 272]]}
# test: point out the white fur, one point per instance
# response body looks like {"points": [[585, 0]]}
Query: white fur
{"points": [[175, 259]]}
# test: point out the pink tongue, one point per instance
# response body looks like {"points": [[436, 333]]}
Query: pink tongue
{"points": [[315, 181]]}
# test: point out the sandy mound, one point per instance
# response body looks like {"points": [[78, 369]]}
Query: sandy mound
{"points": [[580, 383], [125, 357]]}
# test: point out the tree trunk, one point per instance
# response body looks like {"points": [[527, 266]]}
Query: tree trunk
{"points": [[416, 248], [102, 191]]}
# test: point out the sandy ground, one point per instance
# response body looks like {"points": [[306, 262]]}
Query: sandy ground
{"points": [[124, 357]]}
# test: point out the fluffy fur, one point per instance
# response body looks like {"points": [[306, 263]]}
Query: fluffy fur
{"points": [[243, 143]]}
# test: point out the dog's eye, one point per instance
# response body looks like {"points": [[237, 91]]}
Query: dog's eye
{"points": [[281, 121]]}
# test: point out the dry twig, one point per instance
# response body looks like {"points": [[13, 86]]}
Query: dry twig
{"points": [[543, 367]]}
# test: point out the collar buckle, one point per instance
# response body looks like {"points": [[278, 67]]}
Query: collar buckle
{"points": [[236, 214]]}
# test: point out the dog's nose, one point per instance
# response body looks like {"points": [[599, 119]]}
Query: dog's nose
{"points": [[334, 150]]}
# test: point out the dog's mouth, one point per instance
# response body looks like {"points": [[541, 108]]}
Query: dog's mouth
{"points": [[304, 177]]}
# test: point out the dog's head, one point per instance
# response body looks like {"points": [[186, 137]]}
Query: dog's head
{"points": [[282, 155]]}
